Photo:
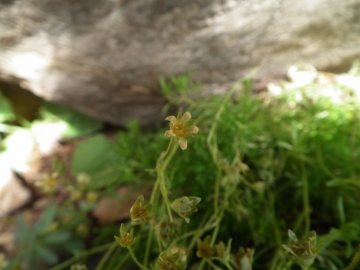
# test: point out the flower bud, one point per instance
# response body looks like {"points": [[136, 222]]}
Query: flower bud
{"points": [[243, 259], [139, 213], [83, 180], [168, 261], [222, 252], [82, 229], [126, 238], [305, 251], [91, 196], [185, 206], [48, 183], [165, 230], [204, 250]]}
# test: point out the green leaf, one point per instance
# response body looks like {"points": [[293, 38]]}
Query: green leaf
{"points": [[77, 124], [56, 238], [46, 219], [285, 145], [73, 246], [6, 111], [46, 254], [292, 236], [289, 249], [96, 158], [22, 230]]}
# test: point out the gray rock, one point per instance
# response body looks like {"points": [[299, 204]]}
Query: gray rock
{"points": [[12, 194], [104, 57]]}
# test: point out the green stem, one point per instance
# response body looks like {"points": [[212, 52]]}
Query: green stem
{"points": [[217, 192], [160, 161], [154, 192], [122, 261], [201, 265], [106, 256], [212, 264], [80, 256], [148, 245], [169, 153], [228, 266], [164, 193], [215, 232], [354, 260], [323, 166], [203, 228], [306, 199], [274, 265], [276, 229], [353, 138], [160, 168], [200, 232], [135, 259]]}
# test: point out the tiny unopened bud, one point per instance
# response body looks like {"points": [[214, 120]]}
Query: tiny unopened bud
{"points": [[204, 250], [53, 226], [243, 258], [185, 206], [165, 231], [169, 261], [259, 186], [126, 239], [48, 183], [75, 194], [82, 179], [139, 213], [82, 229], [91, 196]]}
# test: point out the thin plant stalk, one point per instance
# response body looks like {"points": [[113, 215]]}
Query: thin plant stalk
{"points": [[136, 260], [80, 256]]}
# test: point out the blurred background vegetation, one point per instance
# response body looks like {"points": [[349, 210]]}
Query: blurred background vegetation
{"points": [[291, 152]]}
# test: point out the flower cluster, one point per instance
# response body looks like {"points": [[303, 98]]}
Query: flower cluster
{"points": [[48, 183], [80, 190]]}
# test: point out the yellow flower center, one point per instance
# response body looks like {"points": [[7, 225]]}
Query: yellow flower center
{"points": [[126, 239], [179, 130], [168, 264], [140, 213]]}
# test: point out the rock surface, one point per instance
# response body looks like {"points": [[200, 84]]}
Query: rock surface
{"points": [[104, 57]]}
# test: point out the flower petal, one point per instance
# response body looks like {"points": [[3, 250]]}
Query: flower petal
{"points": [[183, 143], [171, 118], [193, 129], [170, 133], [186, 117]]}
